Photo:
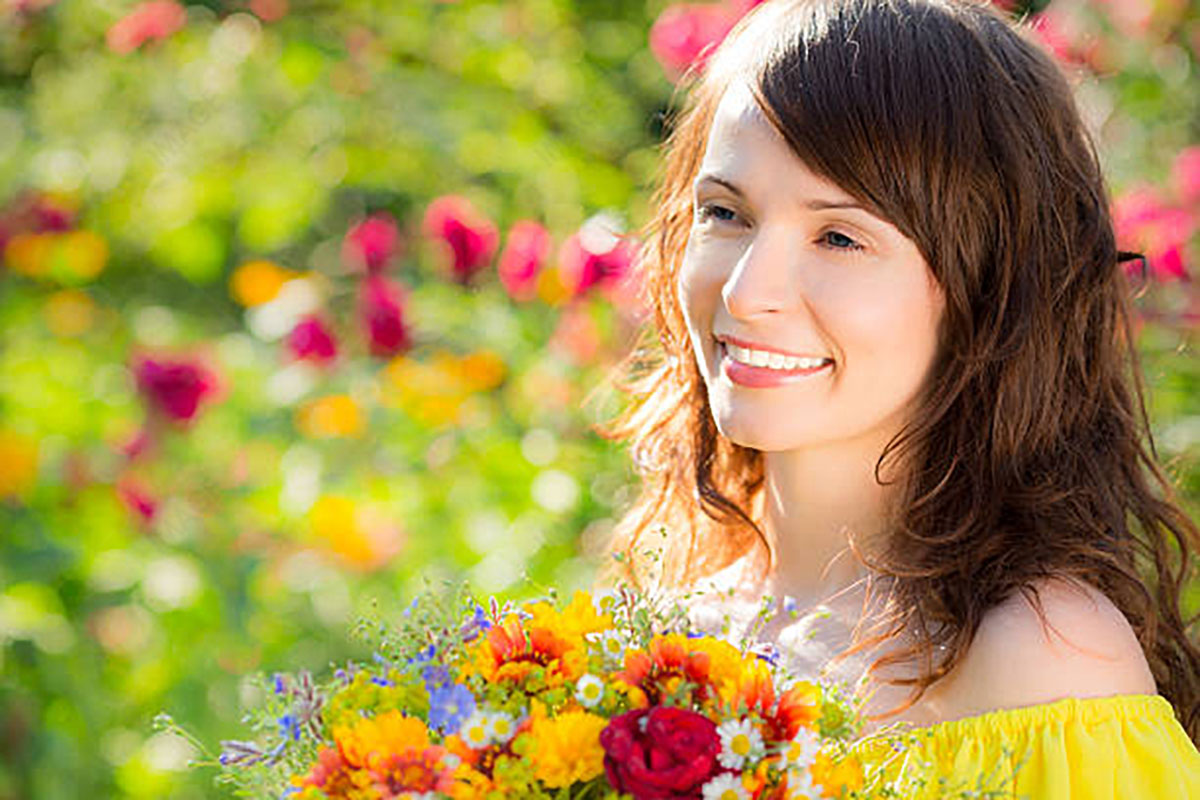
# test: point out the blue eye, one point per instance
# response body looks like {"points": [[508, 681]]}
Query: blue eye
{"points": [[714, 211], [840, 241]]}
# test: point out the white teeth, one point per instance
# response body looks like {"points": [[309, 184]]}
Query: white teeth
{"points": [[761, 358]]}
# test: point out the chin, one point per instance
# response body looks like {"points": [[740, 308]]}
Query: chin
{"points": [[757, 431]]}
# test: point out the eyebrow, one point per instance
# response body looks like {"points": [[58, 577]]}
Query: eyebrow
{"points": [[816, 204]]}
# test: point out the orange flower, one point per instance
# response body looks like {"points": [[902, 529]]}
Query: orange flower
{"points": [[258, 282], [552, 640], [713, 665], [799, 706], [18, 464], [334, 416]]}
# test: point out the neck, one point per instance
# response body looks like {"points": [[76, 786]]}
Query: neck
{"points": [[815, 501]]}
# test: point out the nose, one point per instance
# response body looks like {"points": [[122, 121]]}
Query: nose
{"points": [[766, 278]]}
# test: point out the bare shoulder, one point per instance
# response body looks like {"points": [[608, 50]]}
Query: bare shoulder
{"points": [[1081, 646]]}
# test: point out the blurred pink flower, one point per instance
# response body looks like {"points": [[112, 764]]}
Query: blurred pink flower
{"points": [[149, 21], [1144, 222], [269, 10], [523, 258], [684, 35], [469, 237], [371, 243], [382, 313], [1051, 28], [595, 256], [137, 500], [174, 388], [311, 340], [576, 336], [1185, 175]]}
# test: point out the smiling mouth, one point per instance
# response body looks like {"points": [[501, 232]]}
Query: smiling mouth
{"points": [[773, 363]]}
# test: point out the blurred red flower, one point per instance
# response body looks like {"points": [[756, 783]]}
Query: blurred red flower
{"points": [[371, 243], [381, 308], [1185, 175], [311, 340], [149, 21], [595, 256], [137, 500], [523, 257], [1145, 222], [174, 388], [469, 237], [685, 35]]}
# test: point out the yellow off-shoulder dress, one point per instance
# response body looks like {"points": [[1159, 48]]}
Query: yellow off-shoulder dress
{"points": [[1124, 747]]}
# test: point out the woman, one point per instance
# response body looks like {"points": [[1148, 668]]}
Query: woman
{"points": [[887, 290]]}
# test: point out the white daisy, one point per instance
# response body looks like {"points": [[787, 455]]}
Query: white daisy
{"points": [[604, 600], [800, 785], [611, 646], [801, 751], [589, 691], [476, 731], [725, 787], [500, 726], [740, 742]]}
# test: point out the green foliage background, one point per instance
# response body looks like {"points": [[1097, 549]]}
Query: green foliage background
{"points": [[237, 139]]}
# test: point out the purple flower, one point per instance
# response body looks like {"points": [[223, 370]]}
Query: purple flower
{"points": [[280, 685]]}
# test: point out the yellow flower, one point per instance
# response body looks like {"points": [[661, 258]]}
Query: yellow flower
{"points": [[566, 748], [69, 313], [481, 370], [18, 463], [364, 537], [328, 417], [575, 621], [837, 776], [258, 282], [83, 253]]}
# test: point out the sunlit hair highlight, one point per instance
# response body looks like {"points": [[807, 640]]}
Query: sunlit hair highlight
{"points": [[1030, 456]]}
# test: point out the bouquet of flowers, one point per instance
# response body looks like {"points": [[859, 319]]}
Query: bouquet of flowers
{"points": [[606, 696]]}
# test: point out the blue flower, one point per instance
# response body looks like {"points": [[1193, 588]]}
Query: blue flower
{"points": [[449, 706], [280, 685], [378, 681], [790, 606], [289, 726], [435, 675]]}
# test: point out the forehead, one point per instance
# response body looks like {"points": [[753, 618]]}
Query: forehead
{"points": [[739, 123]]}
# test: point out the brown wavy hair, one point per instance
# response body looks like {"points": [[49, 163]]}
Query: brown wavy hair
{"points": [[1030, 456]]}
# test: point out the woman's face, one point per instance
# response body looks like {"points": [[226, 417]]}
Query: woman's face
{"points": [[782, 261]]}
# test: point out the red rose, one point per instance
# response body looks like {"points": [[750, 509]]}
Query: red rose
{"points": [[660, 753], [468, 237], [311, 340], [174, 388], [595, 256], [371, 243], [523, 258], [382, 312]]}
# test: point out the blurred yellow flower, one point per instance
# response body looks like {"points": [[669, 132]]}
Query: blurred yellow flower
{"points": [[567, 748], [29, 254], [362, 537], [482, 370], [69, 312], [432, 392], [83, 253], [257, 282], [335, 415], [551, 289], [18, 463]]}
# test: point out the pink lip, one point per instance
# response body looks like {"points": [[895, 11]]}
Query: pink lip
{"points": [[763, 377]]}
